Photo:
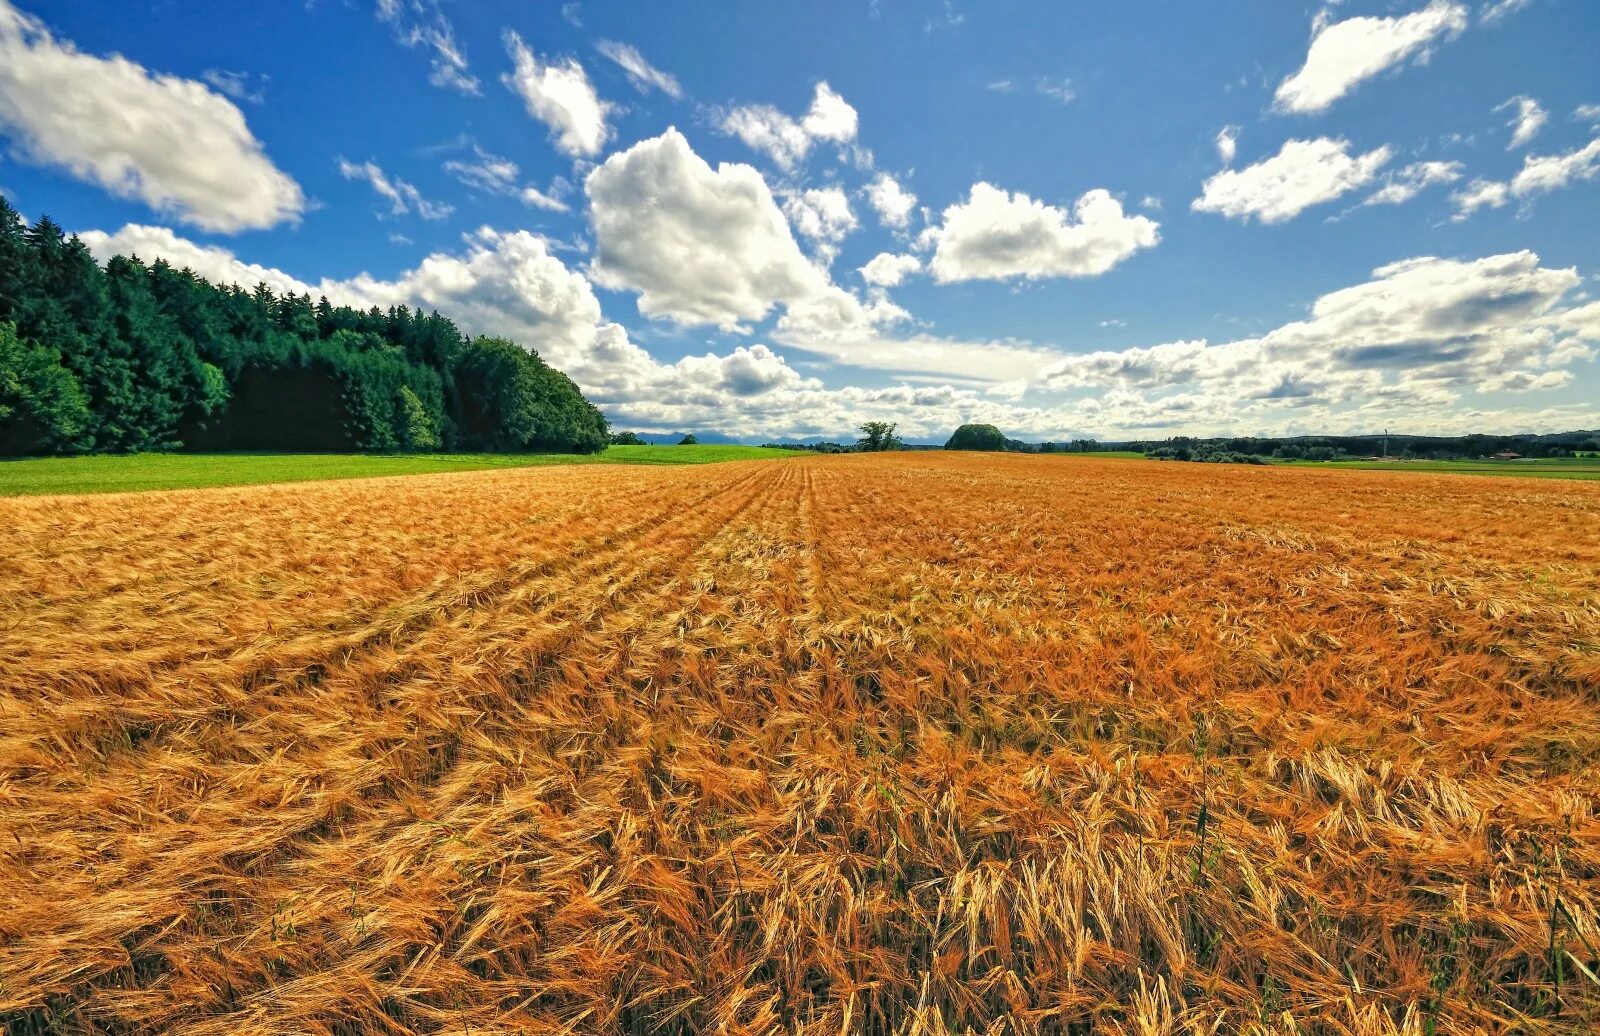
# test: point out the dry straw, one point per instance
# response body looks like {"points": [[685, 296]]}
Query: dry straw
{"points": [[911, 745]]}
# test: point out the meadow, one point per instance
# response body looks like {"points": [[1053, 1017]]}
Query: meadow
{"points": [[899, 743], [123, 473], [1543, 467]]}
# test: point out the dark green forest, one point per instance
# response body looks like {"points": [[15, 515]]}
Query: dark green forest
{"points": [[132, 357]]}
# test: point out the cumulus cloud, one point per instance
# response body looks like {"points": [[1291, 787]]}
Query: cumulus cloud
{"points": [[643, 75], [703, 246], [1480, 194], [508, 284], [699, 245], [420, 23], [747, 371], [892, 202], [171, 143], [1540, 174], [1527, 120], [512, 284], [830, 117], [995, 235], [1302, 174], [1399, 348], [1344, 54], [1227, 144], [402, 197], [218, 265], [785, 140], [1419, 332], [558, 93], [1404, 184], [887, 270], [1544, 173], [823, 216]]}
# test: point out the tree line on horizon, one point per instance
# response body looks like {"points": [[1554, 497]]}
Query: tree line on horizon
{"points": [[130, 357]]}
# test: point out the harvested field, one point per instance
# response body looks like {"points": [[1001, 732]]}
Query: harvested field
{"points": [[874, 744]]}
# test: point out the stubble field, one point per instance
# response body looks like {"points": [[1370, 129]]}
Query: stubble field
{"points": [[897, 744]]}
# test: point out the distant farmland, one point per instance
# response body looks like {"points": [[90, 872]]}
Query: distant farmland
{"points": [[870, 744]]}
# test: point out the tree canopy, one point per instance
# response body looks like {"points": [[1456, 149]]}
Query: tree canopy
{"points": [[977, 437], [878, 436], [130, 357]]}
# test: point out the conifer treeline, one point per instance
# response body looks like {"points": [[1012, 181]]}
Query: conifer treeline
{"points": [[146, 357]]}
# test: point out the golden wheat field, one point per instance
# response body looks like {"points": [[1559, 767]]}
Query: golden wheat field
{"points": [[874, 744]]}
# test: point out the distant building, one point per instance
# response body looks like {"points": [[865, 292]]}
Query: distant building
{"points": [[1507, 455]]}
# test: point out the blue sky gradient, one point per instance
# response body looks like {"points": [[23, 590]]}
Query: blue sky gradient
{"points": [[691, 281]]}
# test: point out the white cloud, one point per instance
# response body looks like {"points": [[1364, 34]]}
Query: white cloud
{"points": [[494, 174], [170, 143], [785, 140], [1540, 174], [420, 23], [1587, 113], [704, 246], [1057, 88], [1150, 203], [1524, 381], [511, 284], [217, 265], [768, 130], [830, 117], [1420, 331], [1544, 173], [1404, 184], [1344, 54], [548, 200], [823, 216], [1494, 10], [1526, 121], [643, 75], [1302, 174], [1398, 349], [507, 284], [887, 270], [1227, 144], [747, 371], [995, 235], [402, 197], [1480, 194], [558, 93], [237, 84], [699, 245], [486, 172], [892, 202]]}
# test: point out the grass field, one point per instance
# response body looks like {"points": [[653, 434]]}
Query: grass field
{"points": [[1544, 467], [147, 471], [868, 744]]}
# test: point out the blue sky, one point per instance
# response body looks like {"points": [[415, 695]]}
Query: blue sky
{"points": [[1127, 219]]}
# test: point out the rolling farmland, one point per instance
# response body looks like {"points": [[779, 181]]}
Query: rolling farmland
{"points": [[872, 744]]}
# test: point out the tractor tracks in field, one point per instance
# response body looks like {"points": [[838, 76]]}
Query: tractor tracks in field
{"points": [[378, 798], [551, 606], [218, 682]]}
